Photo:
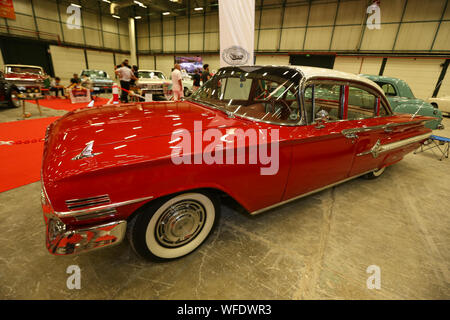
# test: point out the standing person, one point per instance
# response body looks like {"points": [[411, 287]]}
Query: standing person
{"points": [[135, 70], [205, 75], [196, 82], [177, 83], [125, 76]]}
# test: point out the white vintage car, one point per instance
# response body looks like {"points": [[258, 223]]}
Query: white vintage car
{"points": [[153, 82], [442, 103]]}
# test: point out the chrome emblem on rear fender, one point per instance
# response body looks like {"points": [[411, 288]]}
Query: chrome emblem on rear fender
{"points": [[87, 152], [375, 150]]}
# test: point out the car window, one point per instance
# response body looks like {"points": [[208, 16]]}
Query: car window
{"points": [[262, 93], [236, 88], [327, 98], [361, 104], [388, 89]]}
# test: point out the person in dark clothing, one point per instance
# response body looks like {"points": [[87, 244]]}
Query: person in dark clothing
{"points": [[135, 70], [75, 80], [205, 75], [57, 87], [196, 83]]}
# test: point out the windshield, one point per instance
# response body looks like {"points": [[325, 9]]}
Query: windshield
{"points": [[95, 74], [151, 75], [24, 70], [267, 94]]}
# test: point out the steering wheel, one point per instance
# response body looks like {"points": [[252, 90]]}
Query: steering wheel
{"points": [[262, 95], [286, 110]]}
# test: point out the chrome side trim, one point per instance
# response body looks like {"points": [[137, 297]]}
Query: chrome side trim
{"points": [[87, 202], [380, 148], [96, 214], [385, 127], [100, 208], [308, 193]]}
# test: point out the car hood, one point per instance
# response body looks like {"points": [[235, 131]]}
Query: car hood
{"points": [[122, 134], [101, 80], [156, 81], [23, 76]]}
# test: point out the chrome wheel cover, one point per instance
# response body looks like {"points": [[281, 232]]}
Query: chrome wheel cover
{"points": [[180, 223], [15, 98]]}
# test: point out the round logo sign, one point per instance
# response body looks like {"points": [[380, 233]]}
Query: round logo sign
{"points": [[235, 56]]}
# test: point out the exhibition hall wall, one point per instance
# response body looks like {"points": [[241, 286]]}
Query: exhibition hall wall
{"points": [[298, 27]]}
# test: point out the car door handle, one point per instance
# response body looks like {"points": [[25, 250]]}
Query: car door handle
{"points": [[388, 130], [351, 135]]}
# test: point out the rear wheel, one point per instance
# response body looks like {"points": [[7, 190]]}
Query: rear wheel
{"points": [[14, 98], [186, 92], [374, 174], [434, 104], [173, 226]]}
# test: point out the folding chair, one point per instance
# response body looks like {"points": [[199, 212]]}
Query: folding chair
{"points": [[441, 143]]}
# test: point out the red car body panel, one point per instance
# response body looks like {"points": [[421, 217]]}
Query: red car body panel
{"points": [[134, 142]]}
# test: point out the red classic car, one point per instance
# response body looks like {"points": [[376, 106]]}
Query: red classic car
{"points": [[262, 135], [28, 80]]}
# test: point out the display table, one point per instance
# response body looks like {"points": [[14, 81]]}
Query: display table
{"points": [[37, 104]]}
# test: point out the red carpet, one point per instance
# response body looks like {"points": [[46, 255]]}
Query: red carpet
{"points": [[20, 163], [65, 104]]}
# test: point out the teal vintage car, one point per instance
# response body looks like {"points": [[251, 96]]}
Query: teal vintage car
{"points": [[402, 100]]}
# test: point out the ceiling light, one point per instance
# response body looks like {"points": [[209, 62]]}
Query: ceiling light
{"points": [[166, 13], [138, 17], [75, 5], [198, 9], [107, 1], [114, 16], [140, 4]]}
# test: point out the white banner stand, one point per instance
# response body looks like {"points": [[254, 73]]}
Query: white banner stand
{"points": [[237, 32]]}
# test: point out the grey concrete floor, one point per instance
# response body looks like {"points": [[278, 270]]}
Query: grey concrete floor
{"points": [[318, 247]]}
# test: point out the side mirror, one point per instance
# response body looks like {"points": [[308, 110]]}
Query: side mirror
{"points": [[321, 117]]}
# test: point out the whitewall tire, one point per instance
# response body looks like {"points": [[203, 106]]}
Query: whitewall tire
{"points": [[374, 174], [174, 226]]}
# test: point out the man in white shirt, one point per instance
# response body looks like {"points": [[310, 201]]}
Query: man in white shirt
{"points": [[125, 75], [177, 83]]}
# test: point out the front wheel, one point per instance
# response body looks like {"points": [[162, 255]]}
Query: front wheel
{"points": [[14, 98], [374, 174], [173, 226]]}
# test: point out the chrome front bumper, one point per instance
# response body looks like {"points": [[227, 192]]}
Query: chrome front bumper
{"points": [[60, 241], [63, 241]]}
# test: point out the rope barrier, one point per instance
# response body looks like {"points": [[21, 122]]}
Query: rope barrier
{"points": [[27, 141]]}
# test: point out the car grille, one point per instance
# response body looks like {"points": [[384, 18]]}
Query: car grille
{"points": [[77, 204]]}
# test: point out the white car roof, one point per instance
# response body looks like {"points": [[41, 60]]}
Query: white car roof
{"points": [[313, 72], [145, 70], [22, 65]]}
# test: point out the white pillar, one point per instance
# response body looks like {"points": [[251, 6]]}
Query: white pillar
{"points": [[132, 36]]}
